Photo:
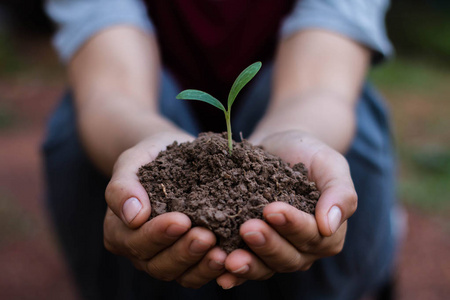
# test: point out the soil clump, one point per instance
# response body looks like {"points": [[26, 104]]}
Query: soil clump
{"points": [[220, 191]]}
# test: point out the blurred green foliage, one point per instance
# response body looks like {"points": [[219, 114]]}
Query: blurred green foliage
{"points": [[425, 166], [426, 183], [401, 74], [420, 32], [421, 29]]}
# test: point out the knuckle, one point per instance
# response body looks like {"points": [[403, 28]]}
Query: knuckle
{"points": [[353, 201], [266, 276], [154, 235], [324, 154], [272, 252], [155, 271], [112, 188], [186, 283], [125, 156], [338, 248], [291, 266], [135, 251], [109, 245], [287, 269], [137, 254], [184, 259], [305, 267], [311, 244], [137, 265], [148, 231], [314, 242], [335, 249], [108, 239]]}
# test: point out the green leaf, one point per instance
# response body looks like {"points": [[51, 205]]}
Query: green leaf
{"points": [[242, 80], [200, 96]]}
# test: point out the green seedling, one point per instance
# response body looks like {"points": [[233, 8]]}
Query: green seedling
{"points": [[238, 84]]}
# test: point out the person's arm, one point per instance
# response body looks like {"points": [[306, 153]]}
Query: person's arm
{"points": [[114, 77], [321, 63], [112, 56], [317, 79]]}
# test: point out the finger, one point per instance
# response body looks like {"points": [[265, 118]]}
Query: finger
{"points": [[244, 264], [300, 229], [148, 240], [274, 250], [124, 194], [183, 254], [294, 225], [228, 281], [209, 268], [338, 199]]}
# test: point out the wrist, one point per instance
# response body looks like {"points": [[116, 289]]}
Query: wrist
{"points": [[322, 114]]}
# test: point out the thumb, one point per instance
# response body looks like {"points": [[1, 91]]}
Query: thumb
{"points": [[338, 199], [125, 195]]}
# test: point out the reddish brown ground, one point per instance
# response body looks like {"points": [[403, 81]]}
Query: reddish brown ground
{"points": [[32, 266]]}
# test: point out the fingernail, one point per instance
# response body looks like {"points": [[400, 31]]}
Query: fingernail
{"points": [[228, 287], [131, 208], [334, 218], [255, 238], [198, 246], [277, 219], [215, 265], [242, 270], [175, 230]]}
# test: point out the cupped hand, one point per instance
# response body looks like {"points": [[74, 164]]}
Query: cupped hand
{"points": [[292, 240], [166, 247]]}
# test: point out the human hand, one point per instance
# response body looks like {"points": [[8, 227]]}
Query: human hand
{"points": [[166, 247], [292, 240]]}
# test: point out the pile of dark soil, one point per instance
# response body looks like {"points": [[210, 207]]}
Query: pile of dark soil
{"points": [[220, 191]]}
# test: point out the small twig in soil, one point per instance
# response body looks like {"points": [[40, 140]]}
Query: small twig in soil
{"points": [[240, 211], [236, 215], [164, 189], [261, 205]]}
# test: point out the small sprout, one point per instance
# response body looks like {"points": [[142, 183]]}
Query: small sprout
{"points": [[238, 84]]}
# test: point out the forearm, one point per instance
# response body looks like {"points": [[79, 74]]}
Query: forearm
{"points": [[317, 80], [115, 81]]}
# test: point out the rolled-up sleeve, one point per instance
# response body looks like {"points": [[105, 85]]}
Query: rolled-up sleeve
{"points": [[78, 20], [359, 20]]}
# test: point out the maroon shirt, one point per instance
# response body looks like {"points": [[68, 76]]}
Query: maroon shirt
{"points": [[207, 43]]}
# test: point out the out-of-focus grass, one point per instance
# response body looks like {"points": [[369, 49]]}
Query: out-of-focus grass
{"points": [[411, 75], [426, 178], [421, 29], [418, 92]]}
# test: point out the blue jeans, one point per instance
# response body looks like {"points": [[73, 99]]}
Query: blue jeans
{"points": [[76, 202]]}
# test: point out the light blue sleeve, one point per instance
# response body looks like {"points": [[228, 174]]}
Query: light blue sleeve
{"points": [[359, 20], [78, 20]]}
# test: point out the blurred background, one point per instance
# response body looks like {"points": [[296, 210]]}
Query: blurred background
{"points": [[416, 84]]}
